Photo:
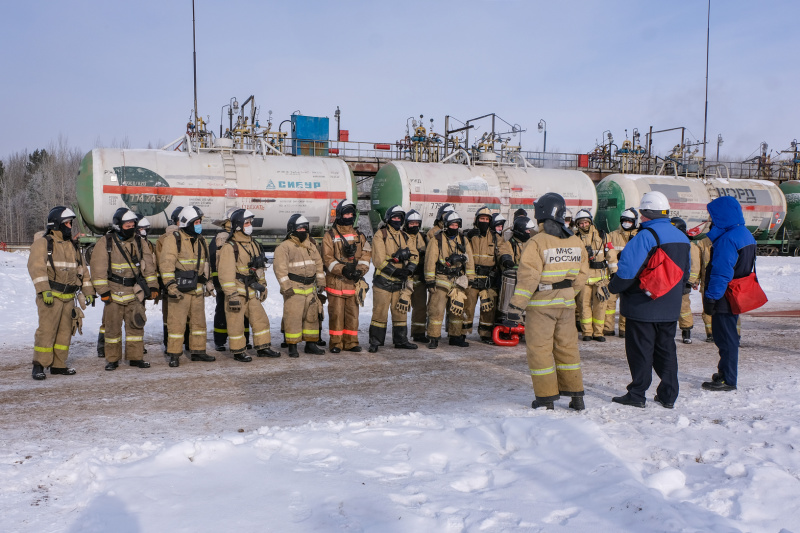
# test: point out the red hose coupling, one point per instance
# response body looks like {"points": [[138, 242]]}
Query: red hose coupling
{"points": [[513, 332]]}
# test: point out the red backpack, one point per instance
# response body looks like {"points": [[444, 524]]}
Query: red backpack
{"points": [[660, 274]]}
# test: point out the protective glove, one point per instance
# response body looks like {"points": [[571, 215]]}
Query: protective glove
{"points": [[709, 306], [47, 297], [209, 289], [154, 294], [487, 302], [687, 288], [507, 264], [357, 275], [174, 293], [430, 285], [401, 274], [262, 296], [89, 299], [234, 305], [602, 292], [322, 296], [106, 297], [286, 293], [348, 270], [402, 305], [513, 317]]}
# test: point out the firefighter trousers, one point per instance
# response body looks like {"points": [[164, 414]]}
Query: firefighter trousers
{"points": [[301, 317], [191, 307], [383, 303], [419, 308], [687, 320], [133, 317], [611, 312], [552, 349], [343, 321], [221, 322], [165, 320], [437, 305], [52, 337], [592, 312], [251, 311], [486, 324]]}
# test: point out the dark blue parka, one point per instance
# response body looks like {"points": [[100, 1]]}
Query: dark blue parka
{"points": [[634, 303], [733, 250]]}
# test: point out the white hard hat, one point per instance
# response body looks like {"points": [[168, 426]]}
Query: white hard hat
{"points": [[188, 215], [143, 223], [655, 201], [583, 213]]}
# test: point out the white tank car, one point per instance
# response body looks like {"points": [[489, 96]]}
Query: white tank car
{"points": [[504, 189], [763, 203], [154, 182]]}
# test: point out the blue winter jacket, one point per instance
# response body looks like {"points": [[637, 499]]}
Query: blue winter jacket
{"points": [[634, 303], [733, 250]]}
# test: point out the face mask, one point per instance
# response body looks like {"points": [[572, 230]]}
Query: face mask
{"points": [[412, 230], [627, 225], [66, 232], [198, 228], [395, 224], [301, 235], [451, 232], [345, 221], [247, 230], [127, 233], [523, 237], [482, 227], [143, 232]]}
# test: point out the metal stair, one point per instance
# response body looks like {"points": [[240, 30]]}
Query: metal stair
{"points": [[231, 185]]}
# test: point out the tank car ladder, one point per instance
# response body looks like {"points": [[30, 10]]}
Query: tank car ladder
{"points": [[231, 185], [505, 189]]}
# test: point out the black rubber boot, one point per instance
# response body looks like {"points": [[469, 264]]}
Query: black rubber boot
{"points": [[622, 334], [101, 345], [174, 360], [63, 371], [203, 357], [336, 349], [406, 346], [373, 348], [421, 338], [709, 337], [219, 348], [144, 350], [686, 335], [321, 343], [586, 338], [313, 348], [599, 339], [377, 336], [242, 357], [284, 344], [38, 372], [459, 340], [354, 349], [547, 405], [577, 403], [267, 351], [139, 364], [608, 333], [113, 366], [433, 343], [293, 350]]}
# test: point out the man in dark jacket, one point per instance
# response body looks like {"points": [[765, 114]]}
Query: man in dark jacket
{"points": [[733, 255], [651, 323]]}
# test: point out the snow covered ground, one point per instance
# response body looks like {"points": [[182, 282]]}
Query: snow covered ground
{"points": [[416, 441]]}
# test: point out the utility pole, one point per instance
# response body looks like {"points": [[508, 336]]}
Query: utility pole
{"points": [[194, 61], [705, 118]]}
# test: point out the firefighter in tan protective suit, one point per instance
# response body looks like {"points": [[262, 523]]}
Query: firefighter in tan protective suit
{"points": [[686, 320], [592, 302], [58, 273], [298, 267], [619, 239], [240, 272], [489, 251], [395, 257], [168, 233], [186, 275], [554, 266], [346, 255], [438, 223], [419, 298], [521, 232], [124, 276], [448, 269]]}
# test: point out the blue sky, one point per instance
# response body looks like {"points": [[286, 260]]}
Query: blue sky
{"points": [[102, 71]]}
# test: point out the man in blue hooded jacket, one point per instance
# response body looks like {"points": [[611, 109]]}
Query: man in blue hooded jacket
{"points": [[733, 255], [651, 323]]}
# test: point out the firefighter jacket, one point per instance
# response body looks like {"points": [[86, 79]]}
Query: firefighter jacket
{"points": [[213, 248], [391, 272], [181, 252], [298, 266], [599, 254], [619, 239], [420, 241], [56, 265], [172, 228], [335, 242], [694, 272], [438, 267], [117, 264], [516, 250], [488, 251], [238, 266], [704, 245], [437, 227], [552, 270]]}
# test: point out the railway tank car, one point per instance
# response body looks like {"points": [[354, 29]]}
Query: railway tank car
{"points": [[763, 204], [153, 182], [791, 226], [426, 186]]}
